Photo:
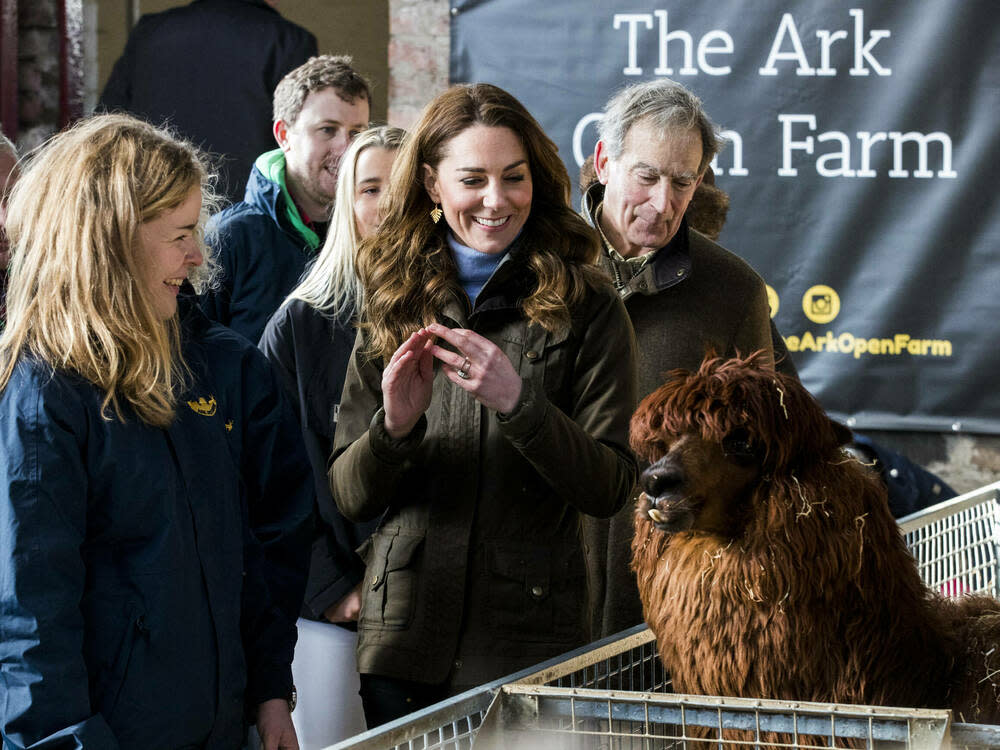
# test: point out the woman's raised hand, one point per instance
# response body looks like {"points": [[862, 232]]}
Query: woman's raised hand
{"points": [[478, 366], [407, 382]]}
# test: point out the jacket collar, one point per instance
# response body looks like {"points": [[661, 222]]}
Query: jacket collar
{"points": [[501, 296], [267, 191], [670, 266], [511, 282], [192, 320]]}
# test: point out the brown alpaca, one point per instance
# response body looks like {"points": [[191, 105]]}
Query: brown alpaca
{"points": [[769, 565]]}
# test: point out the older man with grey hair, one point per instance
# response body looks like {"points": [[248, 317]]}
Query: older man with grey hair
{"points": [[685, 294]]}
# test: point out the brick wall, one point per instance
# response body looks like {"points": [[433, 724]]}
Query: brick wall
{"points": [[966, 462], [38, 71], [418, 56]]}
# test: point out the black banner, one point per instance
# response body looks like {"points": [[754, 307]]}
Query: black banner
{"points": [[864, 139]]}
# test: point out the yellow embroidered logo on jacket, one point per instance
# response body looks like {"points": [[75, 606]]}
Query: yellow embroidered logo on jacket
{"points": [[203, 407]]}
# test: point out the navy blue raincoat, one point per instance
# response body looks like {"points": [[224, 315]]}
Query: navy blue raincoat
{"points": [[137, 608], [262, 250]]}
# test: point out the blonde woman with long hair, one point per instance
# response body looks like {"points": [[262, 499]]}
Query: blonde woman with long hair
{"points": [[309, 341], [125, 498], [485, 409]]}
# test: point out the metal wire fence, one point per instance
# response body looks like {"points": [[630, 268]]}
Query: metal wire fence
{"points": [[530, 717], [615, 694], [955, 543]]}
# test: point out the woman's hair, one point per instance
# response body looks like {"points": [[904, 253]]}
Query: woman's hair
{"points": [[406, 267], [76, 300], [708, 208], [332, 285]]}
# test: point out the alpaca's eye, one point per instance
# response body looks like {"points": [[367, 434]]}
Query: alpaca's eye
{"points": [[738, 447]]}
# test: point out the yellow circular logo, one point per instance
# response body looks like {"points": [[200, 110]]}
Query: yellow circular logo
{"points": [[772, 299], [820, 304]]}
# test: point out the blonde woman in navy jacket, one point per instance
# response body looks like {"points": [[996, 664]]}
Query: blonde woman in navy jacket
{"points": [[141, 444]]}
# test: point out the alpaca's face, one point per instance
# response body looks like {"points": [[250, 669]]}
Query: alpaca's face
{"points": [[700, 484]]}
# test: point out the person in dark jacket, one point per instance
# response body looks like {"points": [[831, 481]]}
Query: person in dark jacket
{"points": [[142, 545], [309, 341], [910, 487], [265, 242], [485, 407], [208, 69]]}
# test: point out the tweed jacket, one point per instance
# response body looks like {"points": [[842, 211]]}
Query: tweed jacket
{"points": [[694, 295], [476, 569]]}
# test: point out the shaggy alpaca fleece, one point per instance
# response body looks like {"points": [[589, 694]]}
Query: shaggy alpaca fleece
{"points": [[771, 566]]}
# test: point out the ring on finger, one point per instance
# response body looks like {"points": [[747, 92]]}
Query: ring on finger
{"points": [[463, 371]]}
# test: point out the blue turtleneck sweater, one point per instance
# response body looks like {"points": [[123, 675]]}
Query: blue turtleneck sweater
{"points": [[474, 267]]}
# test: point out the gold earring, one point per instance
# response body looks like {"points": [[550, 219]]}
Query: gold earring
{"points": [[436, 214]]}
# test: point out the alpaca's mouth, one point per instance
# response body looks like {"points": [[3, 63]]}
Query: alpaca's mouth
{"points": [[669, 514], [676, 519]]}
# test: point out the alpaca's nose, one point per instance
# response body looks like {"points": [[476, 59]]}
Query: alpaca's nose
{"points": [[660, 479]]}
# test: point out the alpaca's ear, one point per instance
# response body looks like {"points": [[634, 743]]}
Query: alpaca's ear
{"points": [[842, 433]]}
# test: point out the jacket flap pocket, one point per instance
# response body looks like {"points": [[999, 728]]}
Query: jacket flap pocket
{"points": [[529, 567], [391, 553], [556, 338], [401, 552], [538, 342], [529, 347]]}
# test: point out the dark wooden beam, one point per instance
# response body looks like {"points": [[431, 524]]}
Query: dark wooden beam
{"points": [[70, 61], [8, 67]]}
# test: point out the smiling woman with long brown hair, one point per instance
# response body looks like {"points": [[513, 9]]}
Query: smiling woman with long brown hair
{"points": [[486, 407]]}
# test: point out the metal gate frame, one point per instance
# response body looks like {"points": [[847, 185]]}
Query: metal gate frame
{"points": [[614, 693]]}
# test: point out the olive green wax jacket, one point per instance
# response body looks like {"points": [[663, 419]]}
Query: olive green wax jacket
{"points": [[476, 569]]}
